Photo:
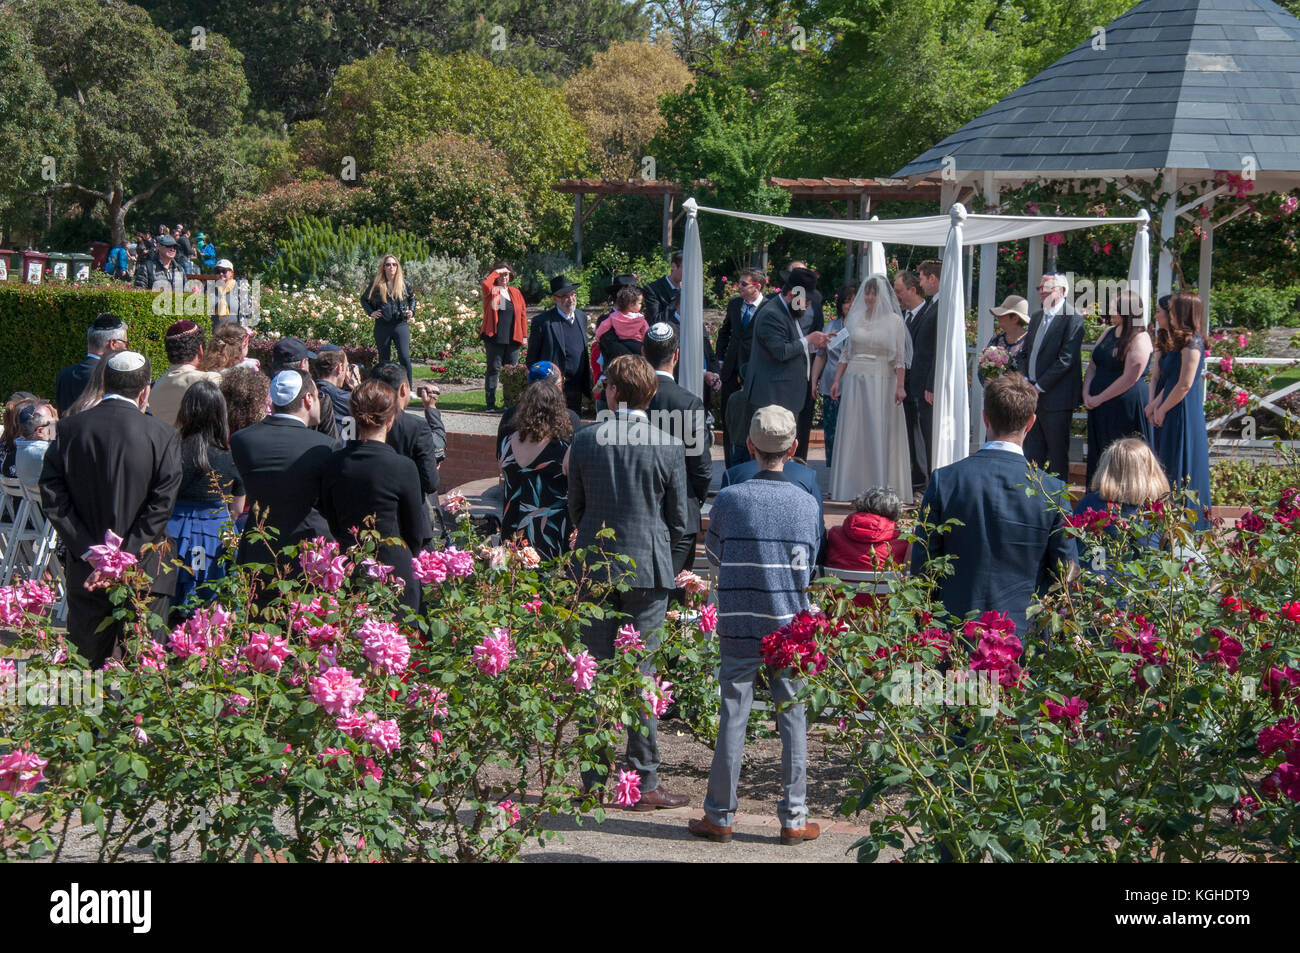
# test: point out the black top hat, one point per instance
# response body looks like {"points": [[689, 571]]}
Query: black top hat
{"points": [[561, 284], [620, 282], [800, 278]]}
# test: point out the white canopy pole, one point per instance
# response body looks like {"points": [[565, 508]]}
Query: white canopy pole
{"points": [[1139, 270], [1168, 221], [875, 255], [691, 361], [951, 427], [983, 312]]}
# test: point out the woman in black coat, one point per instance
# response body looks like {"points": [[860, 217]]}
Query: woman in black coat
{"points": [[369, 478], [391, 302]]}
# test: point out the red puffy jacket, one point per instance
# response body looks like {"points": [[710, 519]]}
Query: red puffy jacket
{"points": [[865, 542]]}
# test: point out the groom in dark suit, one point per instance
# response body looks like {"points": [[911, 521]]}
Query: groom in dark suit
{"points": [[1052, 361], [1010, 545], [921, 316], [780, 358]]}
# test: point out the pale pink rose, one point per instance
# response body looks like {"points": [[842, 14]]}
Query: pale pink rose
{"points": [[496, 559], [34, 596], [336, 690], [320, 635], [628, 790], [265, 652], [529, 557], [383, 734], [385, 647], [494, 653], [375, 569], [628, 639], [138, 733], [108, 560], [20, 771], [353, 725], [584, 670], [322, 565], [455, 504], [691, 582]]}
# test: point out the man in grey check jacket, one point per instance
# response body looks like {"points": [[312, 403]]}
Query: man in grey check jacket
{"points": [[630, 477]]}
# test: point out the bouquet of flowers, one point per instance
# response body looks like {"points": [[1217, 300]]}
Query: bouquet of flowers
{"points": [[994, 361]]}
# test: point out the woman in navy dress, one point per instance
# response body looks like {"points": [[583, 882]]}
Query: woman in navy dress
{"points": [[1177, 407], [1115, 388], [369, 478]]}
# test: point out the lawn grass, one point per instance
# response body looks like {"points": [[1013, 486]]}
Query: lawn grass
{"points": [[458, 400]]}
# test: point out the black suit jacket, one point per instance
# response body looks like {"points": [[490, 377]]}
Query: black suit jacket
{"points": [[1010, 545], [546, 342], [413, 438], [634, 483], [72, 381], [281, 462], [1060, 360], [779, 363], [677, 411], [112, 467], [735, 341], [925, 335], [659, 300]]}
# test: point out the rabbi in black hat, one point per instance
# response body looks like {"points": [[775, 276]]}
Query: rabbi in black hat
{"points": [[106, 335], [559, 335], [781, 355]]}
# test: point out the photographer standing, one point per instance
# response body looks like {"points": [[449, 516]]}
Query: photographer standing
{"points": [[391, 302]]}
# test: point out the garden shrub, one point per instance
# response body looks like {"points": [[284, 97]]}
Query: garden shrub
{"points": [[347, 256], [1254, 306], [248, 229]]}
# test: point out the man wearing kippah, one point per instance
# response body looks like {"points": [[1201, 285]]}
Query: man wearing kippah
{"points": [[763, 537], [112, 470], [281, 460], [184, 345], [106, 335]]}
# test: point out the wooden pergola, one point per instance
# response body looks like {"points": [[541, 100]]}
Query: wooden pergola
{"points": [[857, 195]]}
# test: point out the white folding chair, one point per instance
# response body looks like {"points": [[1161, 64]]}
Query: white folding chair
{"points": [[24, 538], [9, 500], [48, 540]]}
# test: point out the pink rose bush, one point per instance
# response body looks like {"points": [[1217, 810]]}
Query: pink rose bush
{"points": [[494, 653], [337, 690], [322, 565], [21, 771]]}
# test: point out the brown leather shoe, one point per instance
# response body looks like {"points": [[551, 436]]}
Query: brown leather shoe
{"points": [[703, 827], [793, 835], [659, 799]]}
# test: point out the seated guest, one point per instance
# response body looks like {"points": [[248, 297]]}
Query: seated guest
{"points": [[228, 348], [184, 345], [9, 439], [106, 335], [540, 371], [369, 479], [868, 539], [335, 378], [37, 422], [1129, 478], [1010, 545], [290, 354], [763, 535], [208, 478], [532, 467], [247, 394]]}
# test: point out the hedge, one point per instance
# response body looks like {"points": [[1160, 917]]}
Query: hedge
{"points": [[43, 330], [1256, 307]]}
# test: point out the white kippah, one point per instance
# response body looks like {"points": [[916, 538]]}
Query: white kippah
{"points": [[660, 331], [285, 387], [126, 361]]}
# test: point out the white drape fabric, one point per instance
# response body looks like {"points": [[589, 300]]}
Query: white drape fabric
{"points": [[951, 427], [1139, 270], [691, 307]]}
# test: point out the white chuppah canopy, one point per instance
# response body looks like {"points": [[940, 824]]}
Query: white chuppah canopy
{"points": [[951, 232]]}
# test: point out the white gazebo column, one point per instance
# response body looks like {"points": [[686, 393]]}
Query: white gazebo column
{"points": [[1168, 221], [1035, 272], [984, 317]]}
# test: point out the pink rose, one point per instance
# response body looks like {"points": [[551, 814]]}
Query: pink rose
{"points": [[533, 606], [20, 771], [658, 697], [584, 670], [709, 619], [108, 560], [429, 567], [336, 690], [383, 734], [628, 639], [494, 653], [628, 790], [266, 653], [385, 647], [511, 812]]}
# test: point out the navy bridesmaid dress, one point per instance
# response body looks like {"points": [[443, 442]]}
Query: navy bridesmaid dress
{"points": [[1120, 417], [1181, 441]]}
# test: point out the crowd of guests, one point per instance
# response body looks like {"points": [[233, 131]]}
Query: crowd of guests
{"points": [[193, 254], [306, 448]]}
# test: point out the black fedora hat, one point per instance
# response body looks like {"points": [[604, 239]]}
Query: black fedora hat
{"points": [[620, 282], [561, 284]]}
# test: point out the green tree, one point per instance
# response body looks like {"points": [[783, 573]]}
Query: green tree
{"points": [[145, 110], [736, 138], [293, 51], [32, 127], [456, 193]]}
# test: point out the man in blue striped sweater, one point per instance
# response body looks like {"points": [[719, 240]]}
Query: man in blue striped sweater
{"points": [[763, 537]]}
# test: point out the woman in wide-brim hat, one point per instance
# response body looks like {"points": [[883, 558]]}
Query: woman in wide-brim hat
{"points": [[505, 326], [1013, 326]]}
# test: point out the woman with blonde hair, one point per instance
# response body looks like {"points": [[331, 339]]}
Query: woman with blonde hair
{"points": [[391, 302], [1129, 479]]}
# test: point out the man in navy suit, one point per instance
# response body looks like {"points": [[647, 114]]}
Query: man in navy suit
{"points": [[1052, 360], [1010, 545]]}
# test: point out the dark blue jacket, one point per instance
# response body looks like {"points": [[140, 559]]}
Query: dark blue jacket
{"points": [[1009, 546]]}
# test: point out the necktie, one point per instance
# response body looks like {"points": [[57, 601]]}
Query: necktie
{"points": [[746, 312], [907, 318]]}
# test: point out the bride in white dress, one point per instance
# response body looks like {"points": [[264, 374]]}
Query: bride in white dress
{"points": [[871, 437]]}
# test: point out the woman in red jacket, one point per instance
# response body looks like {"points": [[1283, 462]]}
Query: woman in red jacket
{"points": [[868, 538], [505, 326]]}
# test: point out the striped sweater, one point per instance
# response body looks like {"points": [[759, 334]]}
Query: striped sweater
{"points": [[763, 537]]}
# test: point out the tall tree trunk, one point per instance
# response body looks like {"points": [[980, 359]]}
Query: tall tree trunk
{"points": [[117, 216]]}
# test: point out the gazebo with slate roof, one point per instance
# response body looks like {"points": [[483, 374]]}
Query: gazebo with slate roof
{"points": [[1180, 87]]}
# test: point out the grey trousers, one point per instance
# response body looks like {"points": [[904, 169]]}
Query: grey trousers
{"points": [[736, 678], [647, 608]]}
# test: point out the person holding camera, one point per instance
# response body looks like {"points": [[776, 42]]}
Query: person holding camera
{"points": [[391, 302]]}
